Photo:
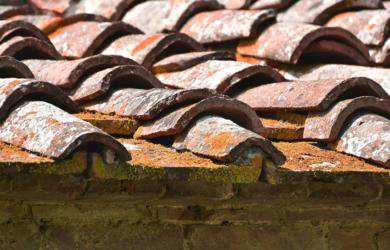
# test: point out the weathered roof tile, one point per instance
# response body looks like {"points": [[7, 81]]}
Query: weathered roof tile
{"points": [[318, 11], [314, 95], [226, 25], [288, 42], [175, 122], [224, 140], [81, 39], [354, 140], [220, 76], [327, 125], [147, 49]]}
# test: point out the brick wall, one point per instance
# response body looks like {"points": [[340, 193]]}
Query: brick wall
{"points": [[70, 212]]}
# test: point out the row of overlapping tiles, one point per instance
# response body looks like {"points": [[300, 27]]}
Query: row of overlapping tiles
{"points": [[334, 104]]}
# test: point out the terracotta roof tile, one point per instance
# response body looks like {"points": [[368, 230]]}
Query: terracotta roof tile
{"points": [[84, 38], [45, 129], [226, 25], [99, 83], [206, 136], [235, 4], [327, 125], [67, 74], [10, 67], [145, 104], [147, 49], [339, 71], [271, 4], [220, 76], [315, 95], [184, 61], [318, 11], [354, 139], [289, 42], [7, 11], [176, 121], [57, 6], [113, 9]]}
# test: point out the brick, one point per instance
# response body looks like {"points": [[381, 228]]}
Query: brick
{"points": [[11, 210], [265, 190], [255, 237], [341, 191], [203, 189], [342, 239], [384, 240], [119, 236], [19, 235]]}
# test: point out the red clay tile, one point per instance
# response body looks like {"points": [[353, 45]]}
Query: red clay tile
{"points": [[12, 28], [112, 10], [13, 90], [147, 49], [148, 16], [235, 4], [339, 71], [221, 76], [66, 74], [226, 25], [327, 125], [7, 11], [175, 122], [224, 140], [99, 83], [271, 4], [10, 67], [145, 104], [187, 60], [85, 38], [288, 42], [28, 48], [370, 26], [381, 56], [315, 95], [45, 22], [375, 147], [57, 6], [319, 11], [45, 129]]}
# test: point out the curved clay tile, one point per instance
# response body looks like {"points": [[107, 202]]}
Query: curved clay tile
{"points": [[226, 25], [99, 83], [152, 12], [354, 140], [28, 48], [340, 71], [316, 95], [381, 56], [66, 74], [221, 76], [182, 10], [235, 4], [45, 129], [270, 4], [84, 38], [57, 6], [175, 122], [7, 11], [12, 28], [370, 26], [147, 49], [45, 22], [288, 42], [112, 10], [319, 11], [326, 125], [187, 60], [13, 90], [224, 140], [145, 104], [10, 67]]}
